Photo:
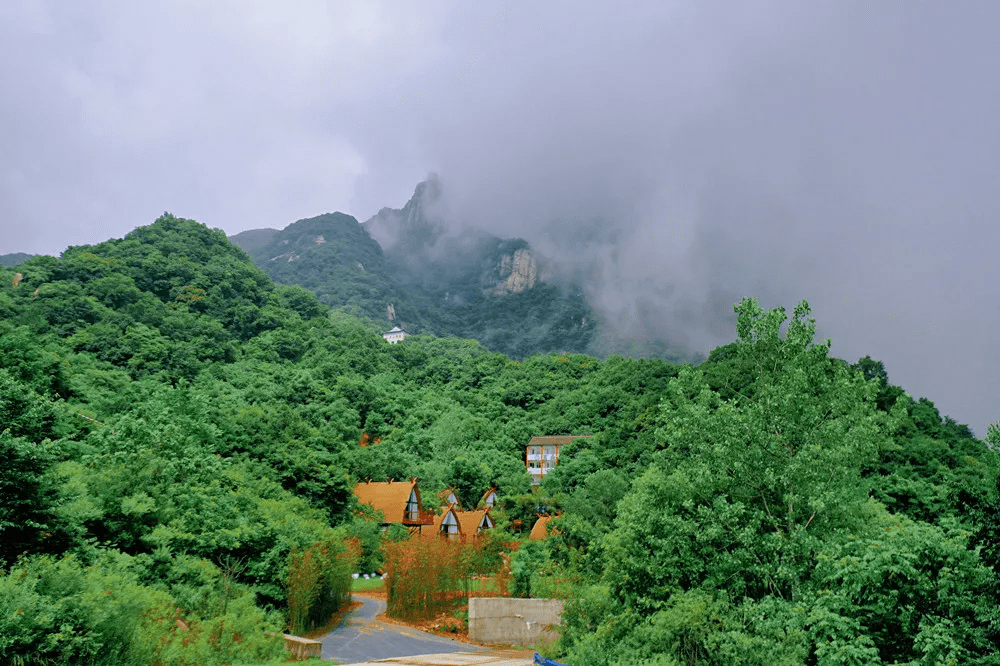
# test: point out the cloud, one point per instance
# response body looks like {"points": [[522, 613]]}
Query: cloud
{"points": [[225, 112], [680, 157]]}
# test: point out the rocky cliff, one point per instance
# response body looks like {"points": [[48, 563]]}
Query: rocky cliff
{"points": [[521, 271]]}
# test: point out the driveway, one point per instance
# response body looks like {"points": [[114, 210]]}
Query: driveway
{"points": [[361, 637]]}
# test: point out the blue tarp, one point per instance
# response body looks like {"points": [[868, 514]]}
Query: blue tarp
{"points": [[542, 661]]}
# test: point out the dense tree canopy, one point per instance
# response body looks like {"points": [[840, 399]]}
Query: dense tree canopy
{"points": [[178, 429]]}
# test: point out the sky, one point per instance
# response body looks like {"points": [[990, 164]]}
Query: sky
{"points": [[674, 156]]}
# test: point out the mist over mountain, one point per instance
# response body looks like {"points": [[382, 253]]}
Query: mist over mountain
{"points": [[253, 239], [419, 268]]}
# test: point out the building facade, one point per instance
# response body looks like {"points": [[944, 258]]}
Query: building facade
{"points": [[395, 335], [541, 454]]}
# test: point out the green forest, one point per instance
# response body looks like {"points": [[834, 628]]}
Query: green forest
{"points": [[179, 435]]}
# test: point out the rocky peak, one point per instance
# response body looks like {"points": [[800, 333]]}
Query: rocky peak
{"points": [[415, 226], [518, 272]]}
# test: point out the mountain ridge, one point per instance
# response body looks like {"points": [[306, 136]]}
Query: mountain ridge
{"points": [[407, 267]]}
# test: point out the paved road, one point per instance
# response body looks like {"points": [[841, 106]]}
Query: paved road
{"points": [[457, 659], [361, 637]]}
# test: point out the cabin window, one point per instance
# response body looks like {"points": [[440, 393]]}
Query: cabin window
{"points": [[413, 506], [449, 525]]}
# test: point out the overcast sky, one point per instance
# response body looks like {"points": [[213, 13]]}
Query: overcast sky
{"points": [[676, 156]]}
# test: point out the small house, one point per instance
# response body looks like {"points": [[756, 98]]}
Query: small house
{"points": [[472, 523], [395, 335], [449, 498], [446, 525], [399, 502]]}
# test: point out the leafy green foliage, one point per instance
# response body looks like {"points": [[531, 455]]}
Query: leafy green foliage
{"points": [[180, 431], [319, 583], [760, 499], [26, 520], [58, 611], [525, 566]]}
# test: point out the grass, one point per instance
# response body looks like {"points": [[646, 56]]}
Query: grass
{"points": [[483, 585], [370, 584], [367, 584]]}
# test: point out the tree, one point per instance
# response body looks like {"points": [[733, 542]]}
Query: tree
{"points": [[746, 498], [25, 517]]}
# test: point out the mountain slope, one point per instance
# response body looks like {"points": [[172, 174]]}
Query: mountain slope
{"points": [[254, 239], [332, 256], [14, 259], [406, 267]]}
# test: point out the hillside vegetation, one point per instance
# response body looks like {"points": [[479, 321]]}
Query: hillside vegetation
{"points": [[180, 436]]}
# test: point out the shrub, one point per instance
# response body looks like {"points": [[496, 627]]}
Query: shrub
{"points": [[319, 583], [426, 576], [60, 612]]}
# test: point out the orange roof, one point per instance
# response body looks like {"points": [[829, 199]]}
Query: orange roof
{"points": [[435, 531], [556, 440], [540, 529], [390, 498], [468, 521]]}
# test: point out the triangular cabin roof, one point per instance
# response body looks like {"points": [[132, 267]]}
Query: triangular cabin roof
{"points": [[555, 440], [390, 497], [395, 329], [449, 498], [439, 521], [485, 500], [471, 520], [540, 529]]}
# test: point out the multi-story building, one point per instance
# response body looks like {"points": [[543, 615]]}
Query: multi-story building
{"points": [[541, 454]]}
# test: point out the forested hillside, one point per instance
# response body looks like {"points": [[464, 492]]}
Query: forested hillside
{"points": [[180, 434]]}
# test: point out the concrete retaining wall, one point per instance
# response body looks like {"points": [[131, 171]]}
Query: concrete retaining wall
{"points": [[514, 621], [303, 648]]}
